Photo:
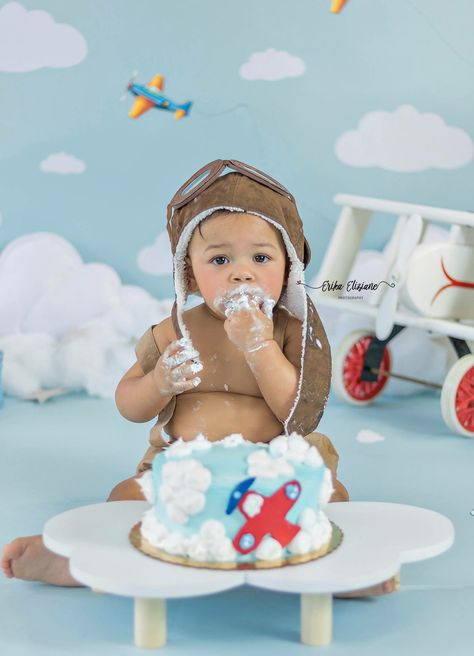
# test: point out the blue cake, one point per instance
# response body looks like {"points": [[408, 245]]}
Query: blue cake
{"points": [[236, 504]]}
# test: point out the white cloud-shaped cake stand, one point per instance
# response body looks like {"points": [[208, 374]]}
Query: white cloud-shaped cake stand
{"points": [[378, 539]]}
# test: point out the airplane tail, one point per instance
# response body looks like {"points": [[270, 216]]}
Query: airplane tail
{"points": [[183, 110]]}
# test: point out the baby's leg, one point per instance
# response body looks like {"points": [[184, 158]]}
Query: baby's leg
{"points": [[27, 558], [331, 459], [127, 490]]}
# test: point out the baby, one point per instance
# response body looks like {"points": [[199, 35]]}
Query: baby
{"points": [[240, 362]]}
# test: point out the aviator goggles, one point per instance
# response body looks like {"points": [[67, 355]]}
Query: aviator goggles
{"points": [[206, 175]]}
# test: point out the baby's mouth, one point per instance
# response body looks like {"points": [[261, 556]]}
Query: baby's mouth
{"points": [[244, 297]]}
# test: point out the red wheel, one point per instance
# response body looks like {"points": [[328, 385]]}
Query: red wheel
{"points": [[348, 365], [457, 397]]}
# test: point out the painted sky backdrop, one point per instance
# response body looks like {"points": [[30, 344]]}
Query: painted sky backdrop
{"points": [[375, 101]]}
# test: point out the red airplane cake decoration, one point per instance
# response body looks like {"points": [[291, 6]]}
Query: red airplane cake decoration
{"points": [[268, 519]]}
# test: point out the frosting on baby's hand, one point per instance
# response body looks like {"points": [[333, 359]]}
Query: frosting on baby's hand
{"points": [[249, 323], [175, 372]]}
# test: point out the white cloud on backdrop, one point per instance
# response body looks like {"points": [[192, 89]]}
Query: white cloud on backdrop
{"points": [[157, 259], [66, 323], [63, 164], [405, 140], [30, 40], [272, 65]]}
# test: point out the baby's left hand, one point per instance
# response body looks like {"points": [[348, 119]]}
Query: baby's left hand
{"points": [[248, 328]]}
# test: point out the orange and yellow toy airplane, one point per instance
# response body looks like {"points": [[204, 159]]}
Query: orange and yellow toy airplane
{"points": [[337, 5], [148, 96]]}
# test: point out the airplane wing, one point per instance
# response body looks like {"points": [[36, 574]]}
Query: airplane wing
{"points": [[337, 5], [158, 82], [140, 106]]}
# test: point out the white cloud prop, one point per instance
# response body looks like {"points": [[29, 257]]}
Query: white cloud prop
{"points": [[271, 65], [64, 323], [30, 40], [63, 164], [367, 436], [405, 140], [157, 259]]}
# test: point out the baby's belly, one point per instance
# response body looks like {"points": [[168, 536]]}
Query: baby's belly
{"points": [[217, 414]]}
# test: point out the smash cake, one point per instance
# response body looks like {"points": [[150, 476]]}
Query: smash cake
{"points": [[236, 504]]}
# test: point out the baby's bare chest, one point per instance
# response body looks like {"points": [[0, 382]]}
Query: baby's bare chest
{"points": [[224, 367]]}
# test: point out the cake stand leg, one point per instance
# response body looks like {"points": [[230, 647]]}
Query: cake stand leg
{"points": [[316, 619], [150, 623]]}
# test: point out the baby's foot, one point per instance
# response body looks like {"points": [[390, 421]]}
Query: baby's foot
{"points": [[386, 587], [28, 558]]}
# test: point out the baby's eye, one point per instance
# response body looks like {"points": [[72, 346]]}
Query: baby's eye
{"points": [[223, 257], [218, 257]]}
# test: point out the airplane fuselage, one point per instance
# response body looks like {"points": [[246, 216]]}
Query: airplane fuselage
{"points": [[157, 99]]}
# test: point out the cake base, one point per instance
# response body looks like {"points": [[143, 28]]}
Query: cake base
{"points": [[147, 548]]}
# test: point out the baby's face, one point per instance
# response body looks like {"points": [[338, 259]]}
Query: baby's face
{"points": [[235, 249]]}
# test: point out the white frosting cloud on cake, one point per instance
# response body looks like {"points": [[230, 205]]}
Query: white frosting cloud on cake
{"points": [[295, 448], [183, 487], [315, 532], [269, 549], [326, 489], [151, 529], [211, 544], [181, 448], [262, 464], [283, 450], [146, 484], [235, 439], [301, 544], [252, 504]]}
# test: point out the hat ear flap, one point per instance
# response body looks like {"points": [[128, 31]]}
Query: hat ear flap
{"points": [[189, 279], [306, 254]]}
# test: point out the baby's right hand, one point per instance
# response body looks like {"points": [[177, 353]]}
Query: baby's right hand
{"points": [[175, 369]]}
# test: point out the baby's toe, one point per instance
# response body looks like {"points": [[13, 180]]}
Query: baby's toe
{"points": [[12, 552]]}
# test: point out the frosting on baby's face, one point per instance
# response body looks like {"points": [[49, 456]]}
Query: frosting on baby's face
{"points": [[244, 297]]}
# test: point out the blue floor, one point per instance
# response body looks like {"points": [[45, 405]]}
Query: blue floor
{"points": [[72, 450]]}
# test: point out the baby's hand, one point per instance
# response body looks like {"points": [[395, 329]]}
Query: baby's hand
{"points": [[249, 328], [174, 371]]}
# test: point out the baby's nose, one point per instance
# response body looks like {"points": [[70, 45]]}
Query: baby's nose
{"points": [[242, 275]]}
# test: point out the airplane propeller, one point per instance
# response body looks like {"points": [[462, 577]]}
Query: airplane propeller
{"points": [[409, 239], [130, 82]]}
